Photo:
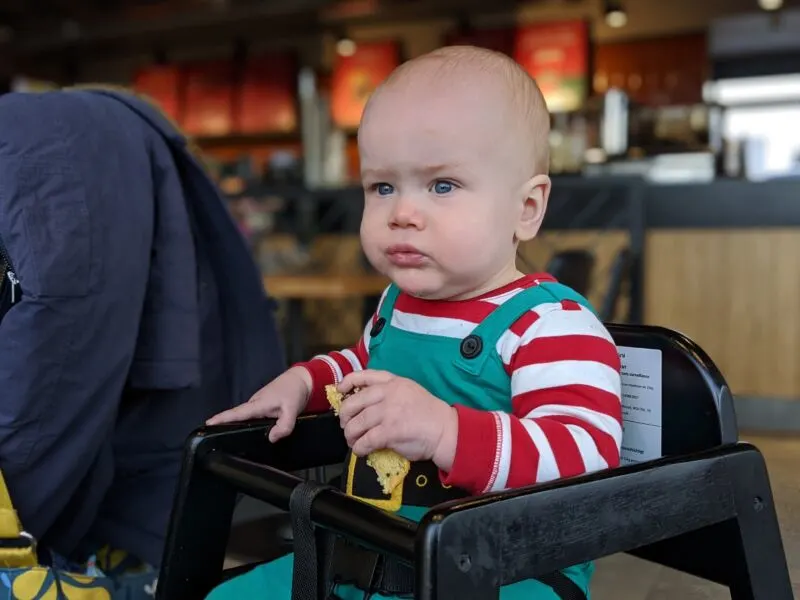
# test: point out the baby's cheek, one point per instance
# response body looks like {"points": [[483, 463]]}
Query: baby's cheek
{"points": [[375, 258], [464, 241], [371, 243]]}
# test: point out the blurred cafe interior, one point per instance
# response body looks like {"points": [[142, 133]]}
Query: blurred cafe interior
{"points": [[675, 156]]}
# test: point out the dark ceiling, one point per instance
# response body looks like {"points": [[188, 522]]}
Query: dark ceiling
{"points": [[41, 27]]}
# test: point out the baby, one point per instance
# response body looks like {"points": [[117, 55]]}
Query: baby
{"points": [[484, 378]]}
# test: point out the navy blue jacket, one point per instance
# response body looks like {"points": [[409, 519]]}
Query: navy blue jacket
{"points": [[142, 314]]}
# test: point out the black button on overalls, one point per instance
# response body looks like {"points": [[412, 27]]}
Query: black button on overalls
{"points": [[471, 346], [377, 327]]}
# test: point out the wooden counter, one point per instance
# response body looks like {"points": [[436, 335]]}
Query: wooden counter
{"points": [[737, 294], [722, 265], [322, 286]]}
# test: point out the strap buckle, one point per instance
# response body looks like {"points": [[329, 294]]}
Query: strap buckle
{"points": [[22, 541]]}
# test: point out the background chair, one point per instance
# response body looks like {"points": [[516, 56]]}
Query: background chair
{"points": [[573, 268]]}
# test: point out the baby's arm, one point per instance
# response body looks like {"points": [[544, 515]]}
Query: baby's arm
{"points": [[566, 416], [331, 368]]}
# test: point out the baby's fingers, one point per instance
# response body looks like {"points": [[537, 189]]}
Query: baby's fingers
{"points": [[283, 426], [362, 379], [243, 412]]}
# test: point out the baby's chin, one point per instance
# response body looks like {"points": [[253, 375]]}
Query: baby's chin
{"points": [[423, 283]]}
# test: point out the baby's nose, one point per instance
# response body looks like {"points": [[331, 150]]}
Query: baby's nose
{"points": [[406, 213]]}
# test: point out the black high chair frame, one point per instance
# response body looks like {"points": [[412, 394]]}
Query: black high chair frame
{"points": [[705, 507]]}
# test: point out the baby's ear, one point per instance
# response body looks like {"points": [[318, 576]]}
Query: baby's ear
{"points": [[536, 193]]}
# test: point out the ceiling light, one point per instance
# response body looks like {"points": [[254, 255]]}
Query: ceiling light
{"points": [[615, 14], [345, 47], [616, 18], [770, 4]]}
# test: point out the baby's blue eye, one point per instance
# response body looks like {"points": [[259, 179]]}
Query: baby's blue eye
{"points": [[384, 189], [442, 187]]}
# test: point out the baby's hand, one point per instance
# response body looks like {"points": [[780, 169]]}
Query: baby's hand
{"points": [[284, 398], [399, 414]]}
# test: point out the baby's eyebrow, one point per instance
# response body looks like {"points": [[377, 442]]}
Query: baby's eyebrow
{"points": [[425, 171], [438, 169], [377, 173]]}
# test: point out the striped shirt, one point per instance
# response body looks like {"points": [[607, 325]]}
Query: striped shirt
{"points": [[566, 415]]}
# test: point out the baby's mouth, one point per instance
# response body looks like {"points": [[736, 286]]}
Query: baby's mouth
{"points": [[404, 255]]}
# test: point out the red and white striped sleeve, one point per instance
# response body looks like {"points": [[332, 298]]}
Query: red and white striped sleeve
{"points": [[566, 410], [326, 369]]}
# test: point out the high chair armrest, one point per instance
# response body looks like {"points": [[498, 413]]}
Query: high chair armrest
{"points": [[249, 440], [501, 538]]}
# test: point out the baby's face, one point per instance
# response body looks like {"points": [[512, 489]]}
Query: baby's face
{"points": [[443, 191]]}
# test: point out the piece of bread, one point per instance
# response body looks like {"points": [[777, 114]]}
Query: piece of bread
{"points": [[390, 466], [335, 398]]}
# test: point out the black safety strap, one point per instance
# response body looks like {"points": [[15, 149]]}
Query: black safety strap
{"points": [[563, 586], [311, 545], [393, 578]]}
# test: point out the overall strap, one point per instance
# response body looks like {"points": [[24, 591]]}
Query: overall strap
{"points": [[478, 345], [384, 315], [560, 292]]}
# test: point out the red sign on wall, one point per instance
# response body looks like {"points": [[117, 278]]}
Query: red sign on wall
{"points": [[162, 84], [557, 56], [656, 71], [209, 97], [267, 99], [356, 77]]}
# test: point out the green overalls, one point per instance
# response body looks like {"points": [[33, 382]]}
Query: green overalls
{"points": [[465, 371]]}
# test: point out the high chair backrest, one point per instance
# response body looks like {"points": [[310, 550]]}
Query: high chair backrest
{"points": [[675, 401]]}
